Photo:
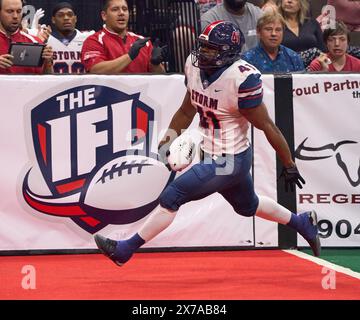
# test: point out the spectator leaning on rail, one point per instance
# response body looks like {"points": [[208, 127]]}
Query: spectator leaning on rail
{"points": [[336, 60], [10, 32], [245, 15], [270, 56], [115, 50]]}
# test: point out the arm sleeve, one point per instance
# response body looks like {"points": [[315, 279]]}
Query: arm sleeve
{"points": [[250, 93], [315, 65], [299, 64], [247, 56], [92, 53]]}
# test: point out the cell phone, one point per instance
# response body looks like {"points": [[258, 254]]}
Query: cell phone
{"points": [[27, 54]]}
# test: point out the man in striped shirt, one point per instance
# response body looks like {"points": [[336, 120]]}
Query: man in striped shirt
{"points": [[10, 32]]}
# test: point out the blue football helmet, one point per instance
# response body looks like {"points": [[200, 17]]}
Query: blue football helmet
{"points": [[218, 45]]}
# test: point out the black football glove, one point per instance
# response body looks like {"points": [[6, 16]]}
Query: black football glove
{"points": [[158, 53], [291, 177], [135, 48]]}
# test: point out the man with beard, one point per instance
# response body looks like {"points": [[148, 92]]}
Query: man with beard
{"points": [[245, 15], [115, 50], [10, 32], [66, 40]]}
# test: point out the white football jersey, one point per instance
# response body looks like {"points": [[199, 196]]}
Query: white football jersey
{"points": [[223, 128], [67, 56]]}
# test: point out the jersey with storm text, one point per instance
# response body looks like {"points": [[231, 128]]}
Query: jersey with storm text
{"points": [[223, 128], [67, 54]]}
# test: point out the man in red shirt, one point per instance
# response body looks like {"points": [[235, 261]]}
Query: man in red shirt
{"points": [[336, 60], [10, 22], [115, 50]]}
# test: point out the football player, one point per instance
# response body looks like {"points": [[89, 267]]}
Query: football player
{"points": [[66, 40], [227, 94]]}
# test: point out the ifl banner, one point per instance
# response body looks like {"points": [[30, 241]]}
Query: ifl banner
{"points": [[79, 156], [327, 143]]}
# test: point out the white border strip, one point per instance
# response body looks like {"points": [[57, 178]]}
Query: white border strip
{"points": [[324, 263]]}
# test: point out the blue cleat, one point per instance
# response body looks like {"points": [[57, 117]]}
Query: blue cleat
{"points": [[310, 231], [117, 251]]}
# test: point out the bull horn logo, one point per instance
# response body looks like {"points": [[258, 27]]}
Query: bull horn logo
{"points": [[325, 152]]}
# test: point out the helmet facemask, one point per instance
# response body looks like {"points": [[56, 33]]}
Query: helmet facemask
{"points": [[208, 56]]}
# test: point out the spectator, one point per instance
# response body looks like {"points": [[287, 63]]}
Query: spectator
{"points": [[10, 32], [336, 60], [115, 50], [270, 56], [66, 40], [301, 34], [245, 15]]}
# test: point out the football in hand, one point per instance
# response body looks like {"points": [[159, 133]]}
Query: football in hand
{"points": [[182, 152]]}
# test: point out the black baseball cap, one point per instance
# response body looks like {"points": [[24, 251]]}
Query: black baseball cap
{"points": [[62, 5]]}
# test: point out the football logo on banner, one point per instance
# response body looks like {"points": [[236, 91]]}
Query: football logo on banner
{"points": [[94, 160]]}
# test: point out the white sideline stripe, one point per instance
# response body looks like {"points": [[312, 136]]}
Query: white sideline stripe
{"points": [[324, 263]]}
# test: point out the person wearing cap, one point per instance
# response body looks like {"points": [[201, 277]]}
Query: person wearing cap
{"points": [[10, 32], [66, 40], [115, 50]]}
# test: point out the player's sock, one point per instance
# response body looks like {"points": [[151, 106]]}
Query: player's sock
{"points": [[124, 249], [135, 242], [269, 209], [295, 222], [305, 224], [159, 220]]}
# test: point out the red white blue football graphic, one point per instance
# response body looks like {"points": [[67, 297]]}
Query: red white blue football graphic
{"points": [[142, 179]]}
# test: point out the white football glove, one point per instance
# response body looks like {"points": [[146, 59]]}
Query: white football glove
{"points": [[35, 27], [40, 13], [181, 152]]}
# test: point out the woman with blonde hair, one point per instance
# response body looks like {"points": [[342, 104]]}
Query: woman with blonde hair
{"points": [[302, 34]]}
